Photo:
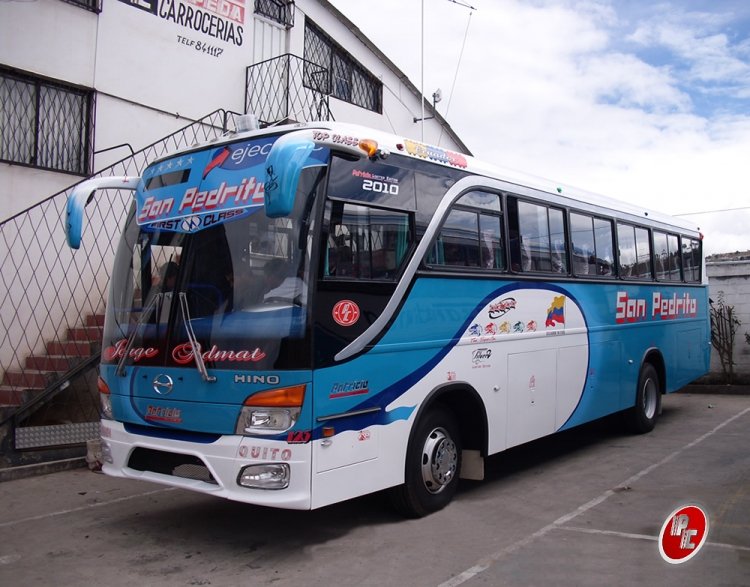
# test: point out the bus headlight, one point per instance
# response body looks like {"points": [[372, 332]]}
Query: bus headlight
{"points": [[106, 406], [259, 420], [267, 476], [105, 399], [106, 453], [271, 412]]}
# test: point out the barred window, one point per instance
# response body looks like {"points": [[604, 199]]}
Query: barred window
{"points": [[45, 124], [92, 5], [281, 11], [347, 79]]}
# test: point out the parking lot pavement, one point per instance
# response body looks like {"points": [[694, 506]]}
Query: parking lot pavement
{"points": [[583, 507], [699, 454]]}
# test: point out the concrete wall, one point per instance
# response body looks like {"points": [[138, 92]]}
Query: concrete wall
{"points": [[733, 279]]}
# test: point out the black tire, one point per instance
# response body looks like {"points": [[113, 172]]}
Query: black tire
{"points": [[641, 418], [433, 464]]}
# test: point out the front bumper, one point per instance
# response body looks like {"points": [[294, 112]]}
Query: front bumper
{"points": [[212, 468]]}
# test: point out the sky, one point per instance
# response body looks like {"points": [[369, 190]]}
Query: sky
{"points": [[640, 100]]}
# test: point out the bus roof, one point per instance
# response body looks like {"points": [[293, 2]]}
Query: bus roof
{"points": [[557, 192]]}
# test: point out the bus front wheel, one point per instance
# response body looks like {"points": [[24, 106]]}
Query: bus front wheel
{"points": [[641, 418], [433, 463]]}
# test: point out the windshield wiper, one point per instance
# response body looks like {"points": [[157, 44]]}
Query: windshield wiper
{"points": [[131, 339], [194, 344]]}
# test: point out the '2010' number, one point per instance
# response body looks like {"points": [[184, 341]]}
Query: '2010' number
{"points": [[372, 185]]}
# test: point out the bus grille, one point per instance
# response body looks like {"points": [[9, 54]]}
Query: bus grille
{"points": [[167, 463]]}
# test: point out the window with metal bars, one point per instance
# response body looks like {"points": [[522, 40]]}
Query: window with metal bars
{"points": [[45, 124], [347, 79], [281, 11], [92, 5]]}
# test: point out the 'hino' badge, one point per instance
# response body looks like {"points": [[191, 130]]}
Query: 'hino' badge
{"points": [[163, 384]]}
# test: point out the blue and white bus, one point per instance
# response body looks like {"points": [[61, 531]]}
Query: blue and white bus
{"points": [[304, 314]]}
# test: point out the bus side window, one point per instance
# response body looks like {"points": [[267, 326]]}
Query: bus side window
{"points": [[626, 244], [635, 251], [604, 247], [491, 243], [592, 240], [674, 264], [667, 257], [691, 259], [559, 249], [460, 236], [520, 259], [537, 237], [471, 235], [582, 235], [365, 242], [643, 251], [661, 255], [340, 261]]}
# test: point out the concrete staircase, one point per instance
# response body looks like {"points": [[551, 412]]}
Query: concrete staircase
{"points": [[21, 385]]}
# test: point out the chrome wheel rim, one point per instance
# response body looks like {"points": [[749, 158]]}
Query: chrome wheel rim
{"points": [[650, 398], [439, 460]]}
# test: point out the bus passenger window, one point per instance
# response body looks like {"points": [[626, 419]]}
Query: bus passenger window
{"points": [[471, 234], [661, 254], [604, 247], [557, 238], [520, 259], [460, 238], [491, 243], [691, 259], [635, 251], [538, 241], [582, 235], [667, 257], [674, 264], [592, 245], [643, 250], [365, 242], [626, 245]]}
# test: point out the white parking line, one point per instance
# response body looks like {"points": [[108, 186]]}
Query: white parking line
{"points": [[82, 508], [646, 537], [486, 562]]}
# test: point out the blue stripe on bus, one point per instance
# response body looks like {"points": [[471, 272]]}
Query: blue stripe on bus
{"points": [[407, 382]]}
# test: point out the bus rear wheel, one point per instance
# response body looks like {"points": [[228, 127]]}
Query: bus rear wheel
{"points": [[433, 464], [641, 418]]}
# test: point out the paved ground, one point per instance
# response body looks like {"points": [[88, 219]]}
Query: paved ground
{"points": [[582, 508]]}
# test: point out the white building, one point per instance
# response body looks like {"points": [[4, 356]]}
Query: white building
{"points": [[84, 84], [83, 81], [729, 282]]}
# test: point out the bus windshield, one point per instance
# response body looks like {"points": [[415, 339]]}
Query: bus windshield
{"points": [[239, 283]]}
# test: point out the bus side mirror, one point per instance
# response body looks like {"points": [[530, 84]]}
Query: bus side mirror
{"points": [[77, 201], [283, 168], [81, 197]]}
